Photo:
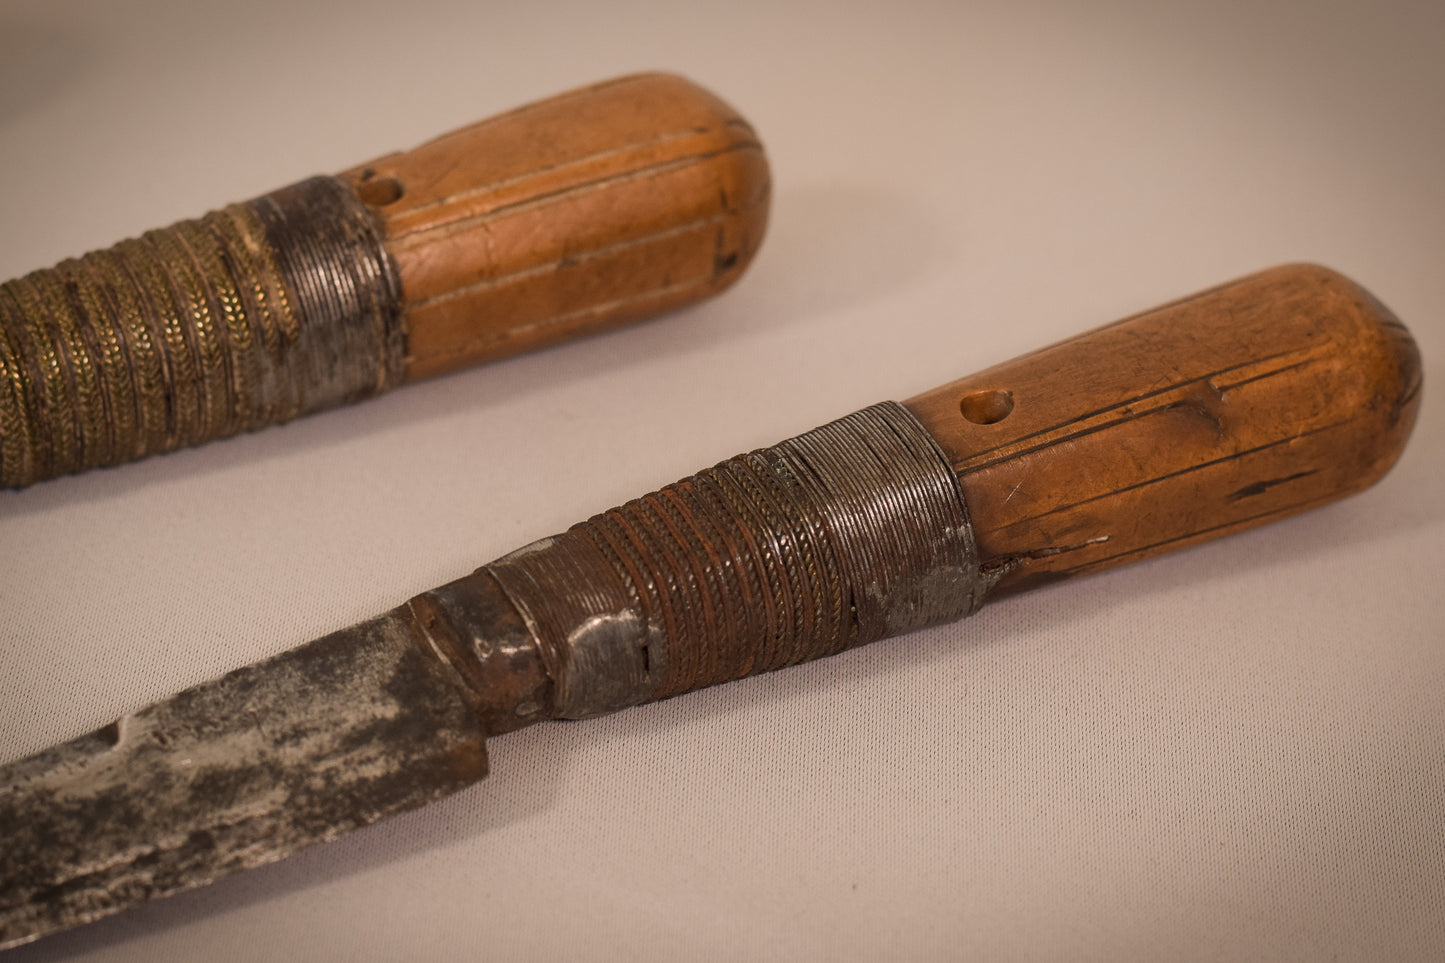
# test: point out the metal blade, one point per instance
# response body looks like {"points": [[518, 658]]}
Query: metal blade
{"points": [[231, 774]]}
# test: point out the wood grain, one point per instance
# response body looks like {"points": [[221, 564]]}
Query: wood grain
{"points": [[1234, 407], [567, 216]]}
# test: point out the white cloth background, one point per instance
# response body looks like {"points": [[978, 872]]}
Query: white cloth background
{"points": [[1237, 752]]}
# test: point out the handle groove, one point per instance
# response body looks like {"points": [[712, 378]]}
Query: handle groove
{"points": [[847, 534]]}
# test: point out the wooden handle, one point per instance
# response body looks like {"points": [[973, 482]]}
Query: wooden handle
{"points": [[1210, 415], [569, 215], [574, 214], [1216, 413]]}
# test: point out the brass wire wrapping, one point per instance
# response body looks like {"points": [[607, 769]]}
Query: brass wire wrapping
{"points": [[850, 533], [251, 315]]}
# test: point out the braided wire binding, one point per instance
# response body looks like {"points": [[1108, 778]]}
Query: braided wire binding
{"points": [[249, 316], [844, 535]]}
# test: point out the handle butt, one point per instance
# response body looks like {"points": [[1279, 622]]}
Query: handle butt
{"points": [[571, 215], [1240, 405]]}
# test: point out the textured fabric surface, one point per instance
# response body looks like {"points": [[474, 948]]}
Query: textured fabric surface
{"points": [[1236, 752]]}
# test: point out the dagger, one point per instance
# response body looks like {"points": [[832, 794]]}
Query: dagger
{"points": [[575, 214], [1216, 413]]}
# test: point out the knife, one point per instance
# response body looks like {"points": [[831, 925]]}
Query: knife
{"points": [[1210, 415], [568, 216]]}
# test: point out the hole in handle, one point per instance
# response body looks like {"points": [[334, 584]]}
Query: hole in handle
{"points": [[987, 407], [378, 191]]}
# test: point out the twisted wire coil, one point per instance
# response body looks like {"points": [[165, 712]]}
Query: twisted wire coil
{"points": [[850, 533], [248, 316]]}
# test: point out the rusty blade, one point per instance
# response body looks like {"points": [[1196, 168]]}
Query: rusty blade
{"points": [[233, 773]]}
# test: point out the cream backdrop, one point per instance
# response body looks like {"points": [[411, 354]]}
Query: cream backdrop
{"points": [[1237, 752]]}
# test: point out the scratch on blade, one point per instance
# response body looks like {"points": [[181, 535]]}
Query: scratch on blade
{"points": [[231, 774]]}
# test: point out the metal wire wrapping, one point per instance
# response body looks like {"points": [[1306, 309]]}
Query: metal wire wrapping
{"points": [[251, 315], [844, 535]]}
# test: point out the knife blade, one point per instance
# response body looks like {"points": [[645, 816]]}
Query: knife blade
{"points": [[1213, 414]]}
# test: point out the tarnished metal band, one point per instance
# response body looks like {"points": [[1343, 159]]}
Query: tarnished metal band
{"points": [[847, 534], [251, 315]]}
